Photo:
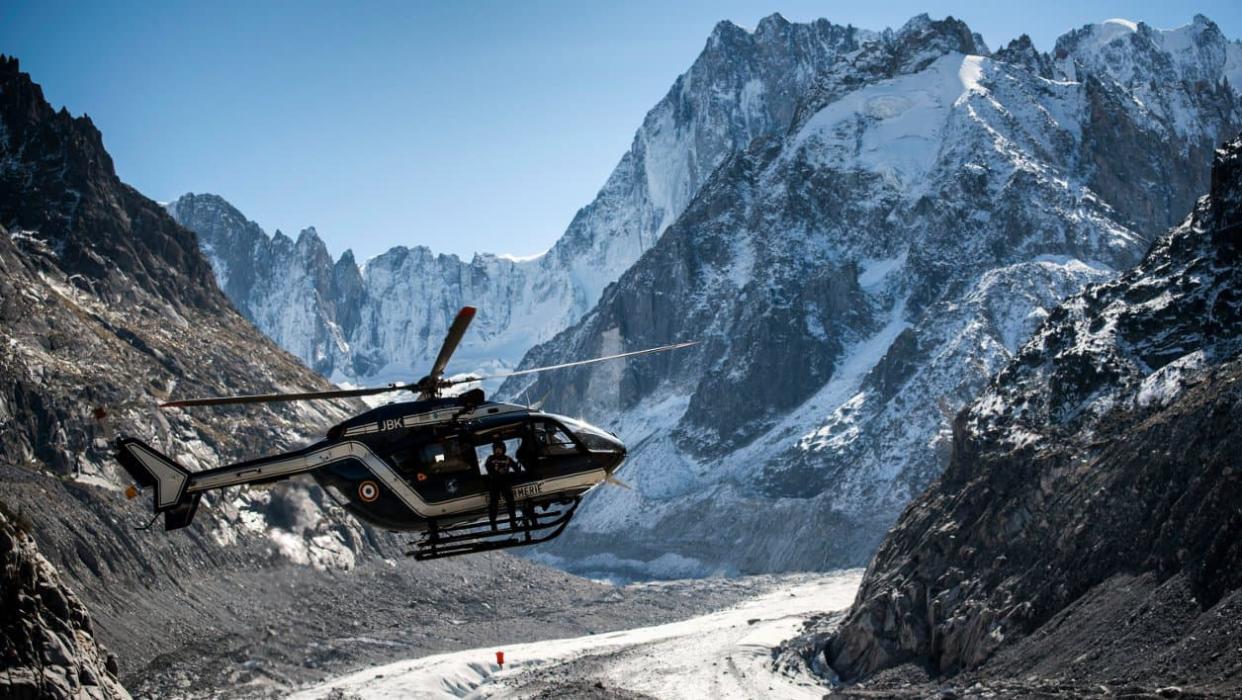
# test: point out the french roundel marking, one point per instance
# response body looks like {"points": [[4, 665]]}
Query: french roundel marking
{"points": [[368, 491]]}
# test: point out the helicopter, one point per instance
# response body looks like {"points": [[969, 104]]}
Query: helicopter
{"points": [[414, 466]]}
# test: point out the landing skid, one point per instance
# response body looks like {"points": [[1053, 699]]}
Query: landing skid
{"points": [[478, 536]]}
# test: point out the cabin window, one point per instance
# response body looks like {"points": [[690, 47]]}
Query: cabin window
{"points": [[436, 457], [446, 456], [594, 439]]}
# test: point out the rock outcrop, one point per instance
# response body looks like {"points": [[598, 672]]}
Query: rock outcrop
{"points": [[48, 649], [1087, 529]]}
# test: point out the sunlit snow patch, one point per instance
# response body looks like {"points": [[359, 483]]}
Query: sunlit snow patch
{"points": [[893, 127]]}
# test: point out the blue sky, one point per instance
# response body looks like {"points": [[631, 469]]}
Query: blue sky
{"points": [[462, 126]]}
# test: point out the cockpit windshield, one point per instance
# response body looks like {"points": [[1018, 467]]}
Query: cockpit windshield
{"points": [[592, 438]]}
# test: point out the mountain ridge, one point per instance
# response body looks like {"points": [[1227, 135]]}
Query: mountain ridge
{"points": [[82, 192], [743, 84], [866, 274]]}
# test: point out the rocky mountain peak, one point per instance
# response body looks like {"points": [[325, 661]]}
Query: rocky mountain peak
{"points": [[1022, 52], [771, 24], [206, 199], [770, 31], [27, 111], [58, 185], [922, 39], [724, 32], [311, 247], [1134, 52]]}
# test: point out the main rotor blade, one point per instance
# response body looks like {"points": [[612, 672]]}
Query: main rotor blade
{"points": [[271, 398], [451, 340], [578, 363]]}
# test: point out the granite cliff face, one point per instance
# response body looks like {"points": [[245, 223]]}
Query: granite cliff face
{"points": [[856, 279], [384, 320], [1087, 528]]}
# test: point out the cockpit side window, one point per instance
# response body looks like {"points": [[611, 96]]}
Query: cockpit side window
{"points": [[447, 456], [551, 439]]}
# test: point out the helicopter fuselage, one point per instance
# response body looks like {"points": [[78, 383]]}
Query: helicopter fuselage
{"points": [[411, 466], [404, 466], [420, 465]]}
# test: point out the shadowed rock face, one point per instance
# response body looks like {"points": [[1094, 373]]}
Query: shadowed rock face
{"points": [[107, 303], [56, 179], [1092, 492], [49, 649]]}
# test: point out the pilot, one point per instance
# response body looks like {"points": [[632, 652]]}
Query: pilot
{"points": [[501, 469]]}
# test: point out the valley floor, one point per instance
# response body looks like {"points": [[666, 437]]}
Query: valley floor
{"points": [[723, 654], [265, 633]]}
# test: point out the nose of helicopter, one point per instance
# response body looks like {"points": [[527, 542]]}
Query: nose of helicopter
{"points": [[608, 450], [614, 457]]}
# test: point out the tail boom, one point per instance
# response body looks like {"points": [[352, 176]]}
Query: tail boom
{"points": [[178, 490]]}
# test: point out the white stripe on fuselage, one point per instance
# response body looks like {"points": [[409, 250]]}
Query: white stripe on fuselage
{"points": [[289, 466]]}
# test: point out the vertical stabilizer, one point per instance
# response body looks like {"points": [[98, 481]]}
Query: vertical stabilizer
{"points": [[150, 468]]}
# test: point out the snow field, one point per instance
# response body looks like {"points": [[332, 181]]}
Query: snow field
{"points": [[723, 655]]}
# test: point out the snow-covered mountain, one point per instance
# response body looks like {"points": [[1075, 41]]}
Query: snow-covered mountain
{"points": [[385, 319], [857, 278], [861, 226]]}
